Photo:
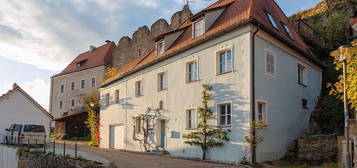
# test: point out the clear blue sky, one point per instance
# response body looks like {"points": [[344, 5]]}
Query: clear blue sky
{"points": [[38, 38]]}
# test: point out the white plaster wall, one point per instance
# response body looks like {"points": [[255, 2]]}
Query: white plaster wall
{"points": [[286, 118], [8, 157], [232, 87], [17, 109]]}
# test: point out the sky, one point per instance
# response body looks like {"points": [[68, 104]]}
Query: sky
{"points": [[38, 38]]}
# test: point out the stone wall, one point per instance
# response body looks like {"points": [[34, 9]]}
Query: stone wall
{"points": [[142, 39], [314, 149]]}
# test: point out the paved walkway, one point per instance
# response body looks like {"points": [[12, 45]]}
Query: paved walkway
{"points": [[122, 159]]}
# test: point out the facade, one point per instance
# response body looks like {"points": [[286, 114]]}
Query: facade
{"points": [[21, 108], [68, 87], [258, 65]]}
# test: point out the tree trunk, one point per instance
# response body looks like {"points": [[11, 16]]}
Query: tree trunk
{"points": [[204, 151]]}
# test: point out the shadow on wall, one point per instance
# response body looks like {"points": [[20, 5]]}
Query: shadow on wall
{"points": [[124, 102]]}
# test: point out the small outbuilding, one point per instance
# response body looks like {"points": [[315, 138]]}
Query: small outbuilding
{"points": [[17, 107]]}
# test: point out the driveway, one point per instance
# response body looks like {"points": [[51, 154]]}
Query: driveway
{"points": [[122, 159]]}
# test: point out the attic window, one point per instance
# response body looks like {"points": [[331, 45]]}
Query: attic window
{"points": [[79, 64], [287, 30], [272, 21], [198, 28], [160, 47]]}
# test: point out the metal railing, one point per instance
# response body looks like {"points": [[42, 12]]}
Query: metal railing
{"points": [[56, 147]]}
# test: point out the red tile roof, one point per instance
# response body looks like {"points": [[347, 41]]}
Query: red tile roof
{"points": [[99, 56], [236, 13], [18, 88], [353, 21]]}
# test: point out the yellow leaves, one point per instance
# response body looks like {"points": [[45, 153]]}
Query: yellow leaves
{"points": [[109, 73]]}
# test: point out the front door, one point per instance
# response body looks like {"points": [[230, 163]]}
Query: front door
{"points": [[162, 139]]}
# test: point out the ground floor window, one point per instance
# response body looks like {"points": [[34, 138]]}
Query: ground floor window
{"points": [[225, 114], [191, 119]]}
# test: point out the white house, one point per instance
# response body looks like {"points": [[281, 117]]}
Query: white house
{"points": [[260, 69], [17, 107]]}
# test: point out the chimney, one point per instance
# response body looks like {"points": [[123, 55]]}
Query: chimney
{"points": [[92, 48], [108, 41], [14, 86]]}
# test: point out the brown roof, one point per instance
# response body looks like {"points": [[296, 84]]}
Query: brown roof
{"points": [[353, 21], [17, 88], [99, 56], [236, 13]]}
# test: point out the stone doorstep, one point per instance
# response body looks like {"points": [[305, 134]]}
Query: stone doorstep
{"points": [[167, 155]]}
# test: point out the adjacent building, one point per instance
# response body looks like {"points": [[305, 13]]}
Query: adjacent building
{"points": [[18, 107], [260, 69], [68, 87]]}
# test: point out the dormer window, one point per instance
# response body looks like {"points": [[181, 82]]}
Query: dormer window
{"points": [[272, 21], [160, 47], [286, 28], [198, 28], [79, 64]]}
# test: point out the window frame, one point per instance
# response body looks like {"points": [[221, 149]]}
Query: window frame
{"points": [[273, 54], [117, 96], [304, 74], [107, 99], [61, 104], [200, 20], [218, 61], [188, 72], [95, 81], [164, 82], [287, 30], [73, 103], [83, 84], [218, 111], [73, 85], [265, 111], [187, 118], [138, 125], [159, 52], [62, 84], [272, 20], [139, 91]]}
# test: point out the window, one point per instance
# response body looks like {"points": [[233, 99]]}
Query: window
{"points": [[162, 81], [94, 82], [304, 103], [286, 28], [72, 103], [79, 64], [161, 105], [198, 28], [62, 88], [107, 99], [73, 85], [225, 61], [272, 21], [261, 113], [192, 71], [191, 121], [83, 83], [137, 125], [225, 115], [138, 88], [160, 47], [60, 104], [302, 75], [269, 62], [116, 96]]}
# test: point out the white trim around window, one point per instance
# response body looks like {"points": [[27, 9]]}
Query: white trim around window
{"points": [[261, 112], [95, 82], [198, 21], [64, 87], [302, 74], [73, 87], [160, 47], [83, 86], [270, 62], [197, 71], [194, 125], [225, 112], [230, 65]]}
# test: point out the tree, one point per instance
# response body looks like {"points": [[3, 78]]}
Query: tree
{"points": [[351, 80], [109, 73], [206, 137], [92, 106]]}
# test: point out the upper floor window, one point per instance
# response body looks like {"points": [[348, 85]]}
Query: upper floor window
{"points": [[60, 104], [117, 96], [225, 114], [137, 125], [191, 119], [161, 105], [79, 64], [62, 88], [269, 62], [138, 88], [198, 28], [225, 61], [301, 74], [286, 28], [72, 103], [94, 82], [162, 81], [192, 71], [261, 112], [272, 21], [83, 83], [73, 85], [160, 47], [107, 98]]}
